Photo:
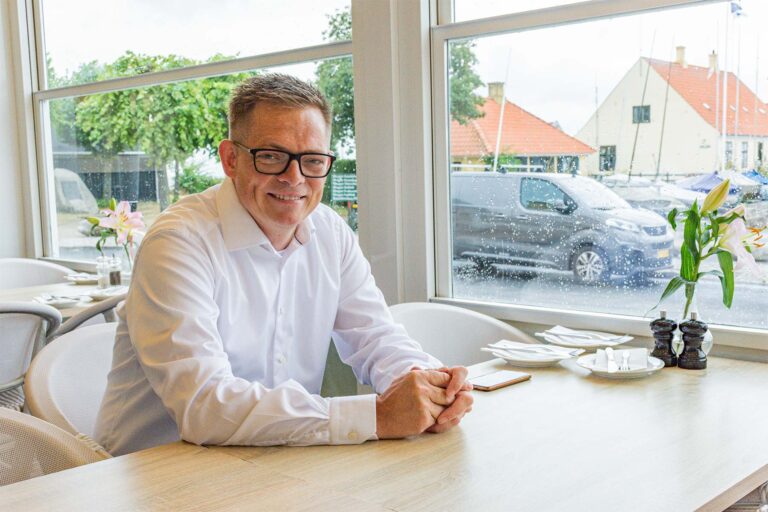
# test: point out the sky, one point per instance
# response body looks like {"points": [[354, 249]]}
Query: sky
{"points": [[553, 73]]}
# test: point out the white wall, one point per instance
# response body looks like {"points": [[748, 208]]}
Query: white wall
{"points": [[12, 234]]}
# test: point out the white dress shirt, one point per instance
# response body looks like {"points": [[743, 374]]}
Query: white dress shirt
{"points": [[222, 340]]}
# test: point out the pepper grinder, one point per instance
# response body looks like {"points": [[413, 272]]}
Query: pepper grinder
{"points": [[663, 331], [692, 357]]}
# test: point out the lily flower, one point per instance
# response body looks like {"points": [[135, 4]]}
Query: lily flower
{"points": [[123, 221], [736, 239], [716, 197]]}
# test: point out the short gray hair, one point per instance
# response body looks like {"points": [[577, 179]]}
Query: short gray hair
{"points": [[276, 89]]}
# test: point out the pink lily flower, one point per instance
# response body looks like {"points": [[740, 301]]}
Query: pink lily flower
{"points": [[123, 221]]}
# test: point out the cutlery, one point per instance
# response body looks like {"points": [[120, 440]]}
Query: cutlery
{"points": [[624, 361], [535, 348], [612, 366], [563, 331]]}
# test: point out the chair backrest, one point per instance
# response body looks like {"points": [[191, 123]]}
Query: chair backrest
{"points": [[30, 447], [24, 326], [23, 272], [452, 334], [104, 307], [66, 381]]}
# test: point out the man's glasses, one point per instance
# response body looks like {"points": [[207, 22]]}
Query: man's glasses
{"points": [[275, 161]]}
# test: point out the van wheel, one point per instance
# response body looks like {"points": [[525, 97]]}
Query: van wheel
{"points": [[590, 265]]}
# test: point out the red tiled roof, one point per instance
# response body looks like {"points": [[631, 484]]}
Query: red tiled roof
{"points": [[698, 87], [522, 133]]}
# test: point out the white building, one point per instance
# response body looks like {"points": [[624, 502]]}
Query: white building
{"points": [[665, 117]]}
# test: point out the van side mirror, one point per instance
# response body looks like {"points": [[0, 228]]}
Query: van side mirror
{"points": [[564, 208]]}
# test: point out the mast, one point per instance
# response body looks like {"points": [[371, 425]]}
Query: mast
{"points": [[642, 103], [724, 126], [664, 117]]}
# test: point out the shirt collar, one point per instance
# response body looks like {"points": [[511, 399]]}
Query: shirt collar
{"points": [[239, 229]]}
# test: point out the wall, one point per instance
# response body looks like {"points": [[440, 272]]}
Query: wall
{"points": [[12, 234]]}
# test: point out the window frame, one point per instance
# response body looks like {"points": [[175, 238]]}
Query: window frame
{"points": [[641, 114], [441, 35]]}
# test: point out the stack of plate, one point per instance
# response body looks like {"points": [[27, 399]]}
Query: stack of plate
{"points": [[530, 355], [588, 340]]}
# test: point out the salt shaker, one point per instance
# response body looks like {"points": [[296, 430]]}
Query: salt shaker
{"points": [[102, 271], [663, 331]]}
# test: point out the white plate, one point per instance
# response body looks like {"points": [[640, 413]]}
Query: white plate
{"points": [[533, 361], [565, 341], [588, 362], [107, 293], [57, 302], [83, 278]]}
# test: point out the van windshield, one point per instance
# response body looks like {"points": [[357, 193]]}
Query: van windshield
{"points": [[595, 195]]}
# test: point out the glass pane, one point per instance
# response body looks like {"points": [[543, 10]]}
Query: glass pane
{"points": [[89, 40], [157, 144], [464, 10], [567, 157]]}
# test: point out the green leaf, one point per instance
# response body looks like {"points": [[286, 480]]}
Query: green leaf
{"points": [[674, 284], [688, 263], [726, 280], [714, 225], [691, 228], [671, 217]]}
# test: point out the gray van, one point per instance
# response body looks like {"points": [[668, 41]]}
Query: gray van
{"points": [[556, 221]]}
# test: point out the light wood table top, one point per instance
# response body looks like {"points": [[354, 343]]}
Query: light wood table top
{"points": [[29, 293], [676, 441]]}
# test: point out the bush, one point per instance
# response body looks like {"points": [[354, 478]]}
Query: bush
{"points": [[192, 180]]}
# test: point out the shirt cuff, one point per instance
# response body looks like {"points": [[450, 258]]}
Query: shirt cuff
{"points": [[353, 419]]}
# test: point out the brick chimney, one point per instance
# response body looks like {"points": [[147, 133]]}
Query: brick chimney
{"points": [[680, 59], [713, 61], [496, 91]]}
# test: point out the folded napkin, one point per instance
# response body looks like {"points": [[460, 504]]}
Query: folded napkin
{"points": [[638, 359], [559, 330], [530, 351]]}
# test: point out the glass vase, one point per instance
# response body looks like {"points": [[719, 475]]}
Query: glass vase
{"points": [[677, 342]]}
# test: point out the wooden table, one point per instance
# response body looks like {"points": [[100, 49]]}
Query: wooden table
{"points": [[29, 293], [677, 441]]}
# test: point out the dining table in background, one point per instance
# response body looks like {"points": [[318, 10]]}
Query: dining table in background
{"points": [[564, 440], [29, 293]]}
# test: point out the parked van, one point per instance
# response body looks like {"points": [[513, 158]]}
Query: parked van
{"points": [[557, 221]]}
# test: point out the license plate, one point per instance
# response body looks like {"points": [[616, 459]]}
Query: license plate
{"points": [[663, 253]]}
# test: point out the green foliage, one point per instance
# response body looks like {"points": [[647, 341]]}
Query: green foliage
{"points": [[464, 102], [335, 81], [192, 180], [504, 159]]}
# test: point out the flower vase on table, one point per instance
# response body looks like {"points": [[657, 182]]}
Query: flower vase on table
{"points": [[122, 225], [708, 233]]}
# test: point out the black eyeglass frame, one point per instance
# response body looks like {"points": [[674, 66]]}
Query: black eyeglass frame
{"points": [[291, 158]]}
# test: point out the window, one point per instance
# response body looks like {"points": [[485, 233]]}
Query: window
{"points": [[607, 158], [729, 153], [744, 154], [586, 180], [641, 114], [159, 138]]}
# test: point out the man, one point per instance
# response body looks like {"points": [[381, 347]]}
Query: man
{"points": [[237, 292]]}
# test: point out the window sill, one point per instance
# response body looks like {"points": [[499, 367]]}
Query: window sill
{"points": [[725, 337]]}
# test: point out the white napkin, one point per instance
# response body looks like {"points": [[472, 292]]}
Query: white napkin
{"points": [[540, 348], [638, 359]]}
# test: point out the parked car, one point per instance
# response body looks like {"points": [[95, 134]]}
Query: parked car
{"points": [[555, 221], [644, 193]]}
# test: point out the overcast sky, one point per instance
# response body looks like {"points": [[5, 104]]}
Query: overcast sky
{"points": [[552, 73]]}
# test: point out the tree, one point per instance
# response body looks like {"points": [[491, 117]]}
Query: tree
{"points": [[464, 102], [168, 122], [334, 79]]}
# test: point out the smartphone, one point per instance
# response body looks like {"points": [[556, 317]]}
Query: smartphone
{"points": [[498, 380]]}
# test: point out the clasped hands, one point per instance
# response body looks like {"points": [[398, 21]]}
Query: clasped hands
{"points": [[423, 401]]}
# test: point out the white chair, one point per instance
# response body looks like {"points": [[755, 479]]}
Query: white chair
{"points": [[66, 381], [89, 316], [23, 272], [30, 447], [24, 326], [452, 334]]}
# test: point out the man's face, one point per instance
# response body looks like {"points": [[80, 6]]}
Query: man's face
{"points": [[278, 203]]}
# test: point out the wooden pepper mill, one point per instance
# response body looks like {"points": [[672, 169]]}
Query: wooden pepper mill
{"points": [[663, 331], [692, 357]]}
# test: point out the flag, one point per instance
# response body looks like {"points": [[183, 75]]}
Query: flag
{"points": [[736, 8]]}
